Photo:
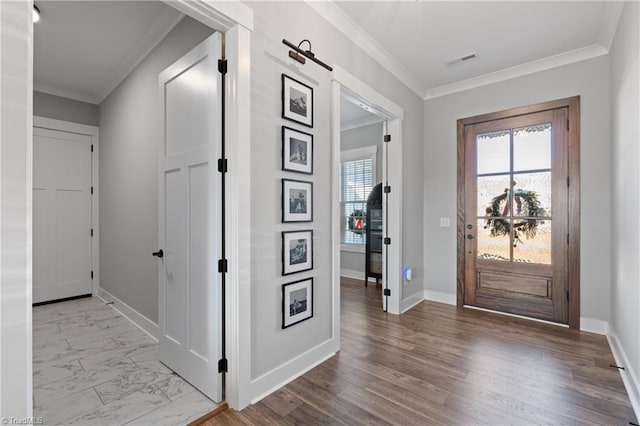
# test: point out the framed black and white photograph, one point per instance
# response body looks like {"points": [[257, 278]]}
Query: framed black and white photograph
{"points": [[297, 302], [297, 251], [297, 151], [297, 201], [297, 101]]}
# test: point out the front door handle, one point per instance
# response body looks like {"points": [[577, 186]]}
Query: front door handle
{"points": [[469, 237], [158, 253]]}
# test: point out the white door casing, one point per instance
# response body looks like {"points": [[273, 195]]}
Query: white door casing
{"points": [[61, 215], [189, 217]]}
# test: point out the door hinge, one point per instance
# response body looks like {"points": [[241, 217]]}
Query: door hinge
{"points": [[387, 189], [222, 66], [91, 232], [222, 266], [387, 292], [387, 138], [567, 125], [222, 365], [91, 274], [567, 238], [222, 165], [568, 181], [91, 147], [567, 295], [92, 190], [387, 241]]}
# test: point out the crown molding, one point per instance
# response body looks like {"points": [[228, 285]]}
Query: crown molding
{"points": [[610, 20], [156, 33], [354, 32], [64, 92], [361, 122], [550, 62]]}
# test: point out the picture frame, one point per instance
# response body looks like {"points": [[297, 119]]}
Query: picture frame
{"points": [[297, 101], [297, 251], [297, 201], [297, 302], [297, 151]]}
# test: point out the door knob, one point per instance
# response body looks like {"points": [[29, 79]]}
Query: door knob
{"points": [[469, 226], [469, 237], [158, 253]]}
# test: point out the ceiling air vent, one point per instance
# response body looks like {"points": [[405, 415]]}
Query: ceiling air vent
{"points": [[465, 58]]}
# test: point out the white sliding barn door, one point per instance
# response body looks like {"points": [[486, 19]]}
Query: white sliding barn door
{"points": [[61, 215], [190, 212]]}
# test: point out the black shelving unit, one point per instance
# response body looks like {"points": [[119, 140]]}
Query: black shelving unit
{"points": [[373, 254]]}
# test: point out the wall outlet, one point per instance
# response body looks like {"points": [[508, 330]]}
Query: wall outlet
{"points": [[407, 273], [445, 222]]}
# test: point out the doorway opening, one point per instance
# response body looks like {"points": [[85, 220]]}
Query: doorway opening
{"points": [[367, 178], [518, 211], [89, 360], [361, 208]]}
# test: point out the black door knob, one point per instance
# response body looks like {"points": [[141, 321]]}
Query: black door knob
{"points": [[158, 253], [469, 237]]}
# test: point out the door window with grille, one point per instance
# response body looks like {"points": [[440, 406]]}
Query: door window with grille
{"points": [[518, 176]]}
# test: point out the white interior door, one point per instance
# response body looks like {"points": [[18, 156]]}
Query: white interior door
{"points": [[190, 211], [61, 215], [385, 216]]}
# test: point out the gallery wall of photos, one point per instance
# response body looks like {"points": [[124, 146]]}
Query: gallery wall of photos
{"points": [[297, 200]]}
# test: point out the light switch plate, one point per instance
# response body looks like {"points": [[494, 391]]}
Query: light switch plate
{"points": [[445, 222]]}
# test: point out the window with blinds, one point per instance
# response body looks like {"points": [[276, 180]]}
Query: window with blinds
{"points": [[357, 177]]}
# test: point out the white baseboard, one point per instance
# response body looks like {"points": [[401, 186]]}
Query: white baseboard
{"points": [[438, 296], [594, 326], [629, 377], [411, 301], [278, 377], [139, 320], [357, 275]]}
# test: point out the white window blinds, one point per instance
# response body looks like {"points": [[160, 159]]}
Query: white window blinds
{"points": [[357, 177]]}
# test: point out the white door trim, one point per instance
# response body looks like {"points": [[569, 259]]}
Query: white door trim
{"points": [[93, 133], [221, 16], [16, 186], [236, 21], [343, 80]]}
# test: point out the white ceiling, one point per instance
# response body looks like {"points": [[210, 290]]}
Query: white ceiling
{"points": [[84, 49], [416, 40], [354, 113]]}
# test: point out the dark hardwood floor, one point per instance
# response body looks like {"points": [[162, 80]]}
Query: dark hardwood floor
{"points": [[439, 364]]}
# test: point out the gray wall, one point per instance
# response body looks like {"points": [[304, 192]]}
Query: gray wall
{"points": [[129, 146], [359, 138], [590, 80], [625, 189], [59, 108], [271, 346], [362, 137]]}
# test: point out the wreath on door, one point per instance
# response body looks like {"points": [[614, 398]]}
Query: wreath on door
{"points": [[526, 204]]}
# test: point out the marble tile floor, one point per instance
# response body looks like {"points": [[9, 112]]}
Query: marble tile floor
{"points": [[93, 366]]}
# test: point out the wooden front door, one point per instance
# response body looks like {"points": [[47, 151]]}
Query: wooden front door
{"points": [[518, 212]]}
